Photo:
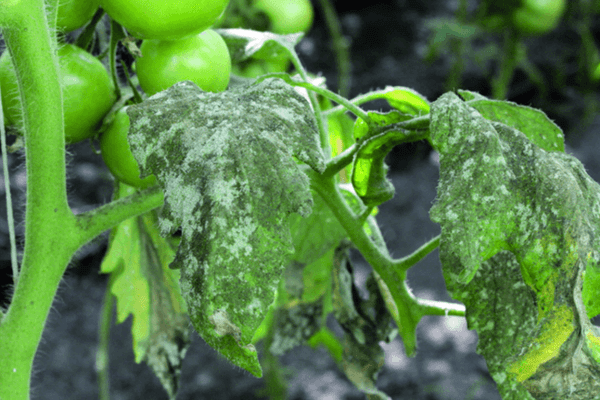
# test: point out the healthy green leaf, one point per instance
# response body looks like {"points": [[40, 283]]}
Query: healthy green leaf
{"points": [[369, 170], [406, 100], [225, 162], [508, 206], [361, 129], [138, 259], [340, 129]]}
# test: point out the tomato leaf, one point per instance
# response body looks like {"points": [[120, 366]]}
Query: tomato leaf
{"points": [[361, 129], [369, 170], [534, 123], [406, 100], [520, 226], [144, 286], [365, 324], [225, 162], [246, 43], [316, 234]]}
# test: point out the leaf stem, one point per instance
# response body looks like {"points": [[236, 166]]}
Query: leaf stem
{"points": [[98, 220], [360, 113], [323, 135], [339, 162], [405, 263], [404, 312]]}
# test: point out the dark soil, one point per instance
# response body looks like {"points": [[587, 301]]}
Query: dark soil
{"points": [[388, 43]]}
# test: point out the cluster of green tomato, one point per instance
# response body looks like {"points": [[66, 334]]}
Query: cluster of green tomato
{"points": [[177, 46]]}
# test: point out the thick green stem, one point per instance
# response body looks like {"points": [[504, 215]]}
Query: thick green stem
{"points": [[405, 313], [48, 247], [406, 309], [52, 232]]}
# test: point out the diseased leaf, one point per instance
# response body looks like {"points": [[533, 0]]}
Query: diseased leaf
{"points": [[532, 122], [294, 325], [246, 43], [520, 225], [363, 357], [138, 259], [225, 162], [361, 364]]}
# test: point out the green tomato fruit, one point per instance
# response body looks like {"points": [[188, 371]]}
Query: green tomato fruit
{"points": [[536, 17], [203, 59], [117, 155], [87, 89], [73, 14], [165, 19], [287, 16]]}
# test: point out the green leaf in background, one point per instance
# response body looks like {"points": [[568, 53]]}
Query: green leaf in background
{"points": [[225, 162], [520, 226], [316, 234], [532, 122], [145, 287]]}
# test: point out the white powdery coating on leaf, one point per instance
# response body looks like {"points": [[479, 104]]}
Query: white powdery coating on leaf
{"points": [[238, 238], [184, 200], [224, 192]]}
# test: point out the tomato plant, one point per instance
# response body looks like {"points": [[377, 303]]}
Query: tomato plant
{"points": [[165, 19], [536, 17], [73, 14], [88, 91], [117, 155], [254, 68], [287, 16], [203, 59]]}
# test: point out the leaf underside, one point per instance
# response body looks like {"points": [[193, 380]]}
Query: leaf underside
{"points": [[145, 288]]}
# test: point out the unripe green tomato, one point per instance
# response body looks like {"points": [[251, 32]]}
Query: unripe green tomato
{"points": [[536, 17], [117, 155], [87, 89], [73, 14], [287, 16], [203, 59], [165, 19]]}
